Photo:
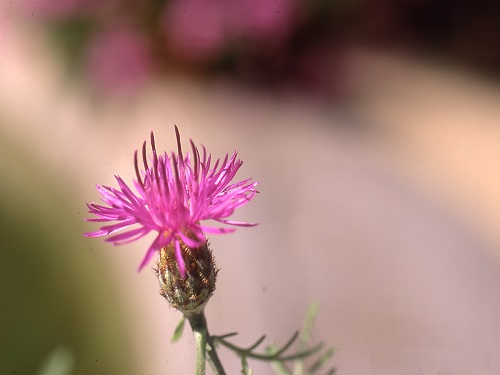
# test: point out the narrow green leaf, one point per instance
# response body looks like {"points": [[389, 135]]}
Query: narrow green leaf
{"points": [[271, 349], [178, 330], [285, 347], [305, 334], [257, 343], [280, 368], [302, 354], [231, 334], [322, 361], [59, 362], [244, 364]]}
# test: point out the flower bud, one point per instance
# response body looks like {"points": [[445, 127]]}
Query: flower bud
{"points": [[188, 294]]}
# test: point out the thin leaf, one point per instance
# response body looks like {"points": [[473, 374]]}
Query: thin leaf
{"points": [[59, 362], [231, 334], [305, 334], [303, 353], [287, 345], [245, 369], [280, 368], [257, 343], [322, 361], [178, 330]]}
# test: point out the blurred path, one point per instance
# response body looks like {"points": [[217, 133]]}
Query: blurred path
{"points": [[444, 126]]}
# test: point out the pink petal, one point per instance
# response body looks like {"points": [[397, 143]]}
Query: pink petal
{"points": [[180, 259]]}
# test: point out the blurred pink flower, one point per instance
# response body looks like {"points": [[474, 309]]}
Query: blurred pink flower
{"points": [[195, 28], [173, 196], [201, 29], [261, 19], [66, 8], [119, 58], [54, 8]]}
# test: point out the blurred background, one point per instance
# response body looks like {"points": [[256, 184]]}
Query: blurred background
{"points": [[373, 128]]}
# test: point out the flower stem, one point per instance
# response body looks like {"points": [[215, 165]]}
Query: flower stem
{"points": [[204, 344], [213, 358], [200, 336]]}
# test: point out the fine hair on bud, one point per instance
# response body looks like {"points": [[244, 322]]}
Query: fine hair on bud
{"points": [[188, 293]]}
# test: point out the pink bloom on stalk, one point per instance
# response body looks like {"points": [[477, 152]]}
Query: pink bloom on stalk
{"points": [[173, 196]]}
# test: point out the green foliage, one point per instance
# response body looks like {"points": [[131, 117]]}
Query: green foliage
{"points": [[178, 330], [279, 357], [72, 38], [54, 292], [59, 362]]}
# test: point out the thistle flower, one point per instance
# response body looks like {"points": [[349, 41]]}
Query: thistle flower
{"points": [[173, 196]]}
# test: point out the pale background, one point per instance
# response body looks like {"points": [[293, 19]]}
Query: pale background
{"points": [[384, 207]]}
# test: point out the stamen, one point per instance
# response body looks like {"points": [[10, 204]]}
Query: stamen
{"points": [[144, 157], [153, 147], [164, 176], [196, 158], [176, 172], [179, 147], [137, 173]]}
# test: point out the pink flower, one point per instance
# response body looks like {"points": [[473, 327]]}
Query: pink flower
{"points": [[56, 9], [195, 28], [119, 59], [173, 196], [262, 20]]}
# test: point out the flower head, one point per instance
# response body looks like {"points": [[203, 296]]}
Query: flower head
{"points": [[173, 195]]}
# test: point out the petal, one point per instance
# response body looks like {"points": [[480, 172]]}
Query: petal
{"points": [[180, 259], [149, 254], [129, 236], [118, 226], [191, 243], [237, 223], [214, 230], [98, 233]]}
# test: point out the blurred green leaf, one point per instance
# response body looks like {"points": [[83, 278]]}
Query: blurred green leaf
{"points": [[322, 361], [178, 330], [59, 362], [53, 288], [245, 369]]}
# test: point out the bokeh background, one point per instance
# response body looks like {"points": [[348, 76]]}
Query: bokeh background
{"points": [[373, 128]]}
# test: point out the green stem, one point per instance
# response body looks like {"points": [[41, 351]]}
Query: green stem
{"points": [[213, 358], [204, 344], [277, 355], [200, 337]]}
